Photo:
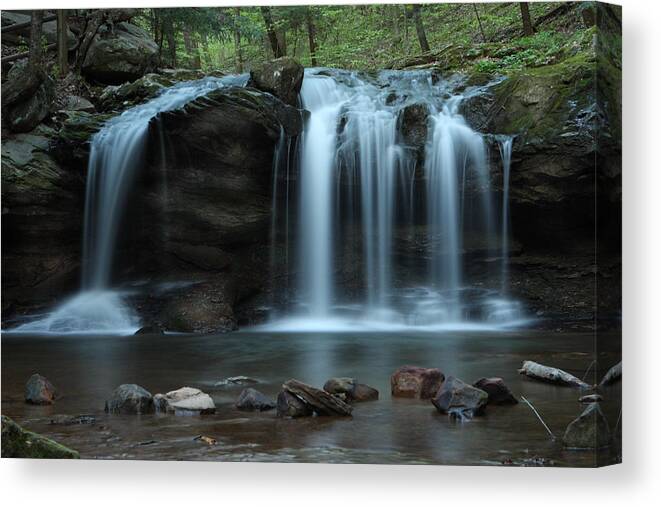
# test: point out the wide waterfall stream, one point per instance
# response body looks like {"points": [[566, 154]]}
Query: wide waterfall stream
{"points": [[358, 196], [361, 190]]}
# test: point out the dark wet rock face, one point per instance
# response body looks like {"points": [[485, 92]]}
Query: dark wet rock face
{"points": [[460, 399], [282, 77], [130, 399], [498, 392], [26, 112], [589, 430], [289, 405], [151, 329], [39, 390], [20, 443], [124, 53], [416, 382], [413, 126], [251, 399]]}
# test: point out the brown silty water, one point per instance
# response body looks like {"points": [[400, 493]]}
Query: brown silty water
{"points": [[391, 430]]}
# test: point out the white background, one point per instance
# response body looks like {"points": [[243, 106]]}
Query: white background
{"points": [[636, 482]]}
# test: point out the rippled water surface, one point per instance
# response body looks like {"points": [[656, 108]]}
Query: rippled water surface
{"points": [[87, 369]]}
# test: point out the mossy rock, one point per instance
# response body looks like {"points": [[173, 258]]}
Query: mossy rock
{"points": [[21, 443], [72, 144]]}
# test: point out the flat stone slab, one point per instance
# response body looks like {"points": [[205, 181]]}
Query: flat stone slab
{"points": [[320, 401]]}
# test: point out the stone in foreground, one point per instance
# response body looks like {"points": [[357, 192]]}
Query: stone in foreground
{"points": [[498, 392], [185, 401], [416, 382], [251, 399], [130, 399], [350, 389], [538, 371], [321, 402], [289, 405], [363, 392], [460, 399], [589, 430], [20, 443], [39, 390]]}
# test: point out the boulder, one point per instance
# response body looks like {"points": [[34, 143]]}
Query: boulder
{"points": [[289, 405], [416, 382], [350, 389], [185, 401], [20, 443], [549, 374], [130, 399], [363, 392], [460, 399], [30, 109], [39, 390], [499, 393], [321, 402], [123, 54], [251, 399], [282, 77], [589, 430]]}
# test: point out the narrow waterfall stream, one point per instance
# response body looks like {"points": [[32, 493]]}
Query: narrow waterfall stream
{"points": [[358, 192], [116, 154]]}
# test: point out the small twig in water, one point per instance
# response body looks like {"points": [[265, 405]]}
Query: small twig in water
{"points": [[539, 417], [587, 371]]}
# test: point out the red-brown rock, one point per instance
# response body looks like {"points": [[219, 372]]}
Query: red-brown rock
{"points": [[416, 382]]}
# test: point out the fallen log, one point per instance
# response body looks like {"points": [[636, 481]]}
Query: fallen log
{"points": [[25, 54], [612, 375], [549, 374], [318, 400]]}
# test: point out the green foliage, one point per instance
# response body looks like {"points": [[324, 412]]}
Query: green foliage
{"points": [[368, 37]]}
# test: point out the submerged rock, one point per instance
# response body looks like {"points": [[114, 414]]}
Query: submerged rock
{"points": [[590, 398], [350, 389], [289, 405], [238, 380], [320, 401], [282, 77], [589, 430], [130, 399], [252, 399], [20, 443], [612, 375], [416, 382], [499, 393], [123, 54], [72, 420], [39, 390], [185, 401], [458, 398]]}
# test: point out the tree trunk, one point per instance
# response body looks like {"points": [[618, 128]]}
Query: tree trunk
{"points": [[420, 29], [94, 21], [172, 44], [479, 22], [35, 58], [270, 30], [396, 32], [62, 42], [238, 55], [525, 17], [311, 33]]}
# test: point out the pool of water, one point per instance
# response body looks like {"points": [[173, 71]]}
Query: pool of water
{"points": [[86, 369]]}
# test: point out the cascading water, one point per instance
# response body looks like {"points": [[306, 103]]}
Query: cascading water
{"points": [[117, 153], [505, 146], [356, 188]]}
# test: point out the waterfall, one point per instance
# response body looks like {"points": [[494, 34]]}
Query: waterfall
{"points": [[116, 154], [505, 146], [357, 188]]}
